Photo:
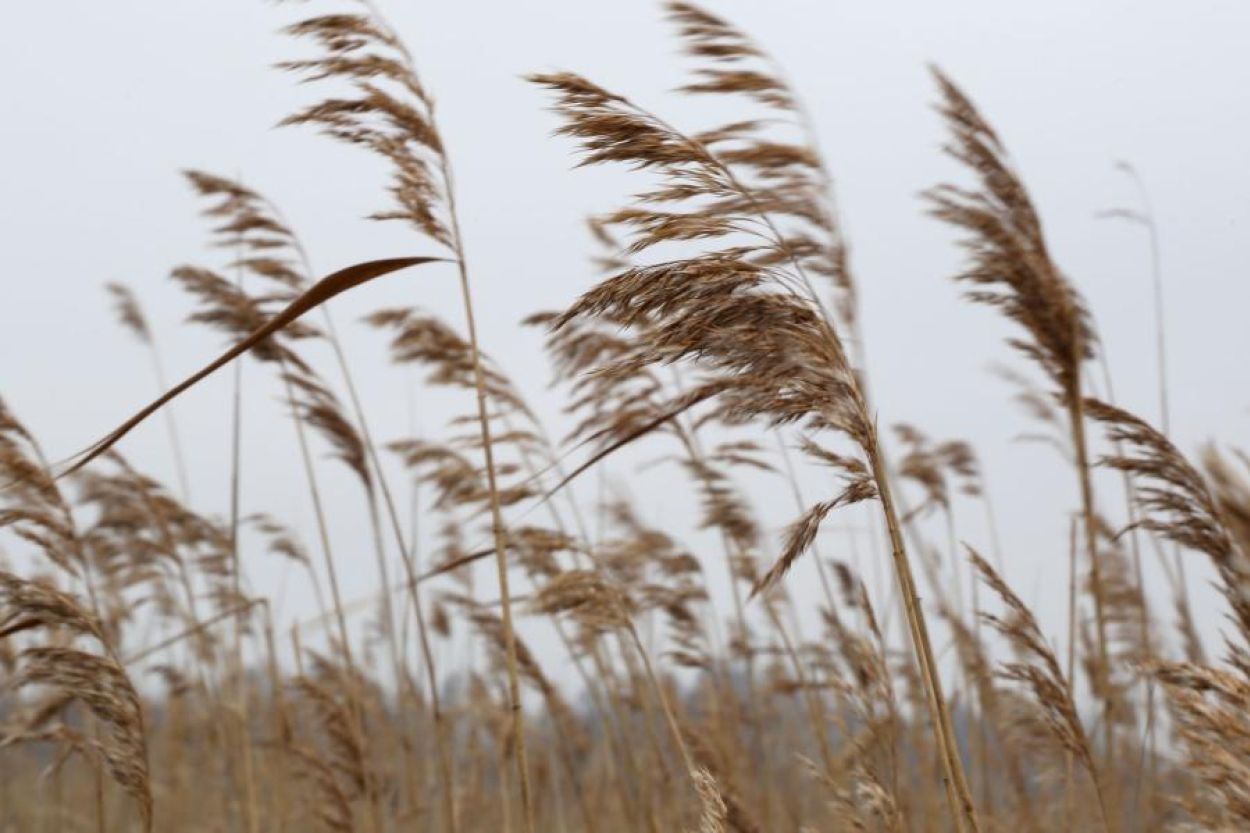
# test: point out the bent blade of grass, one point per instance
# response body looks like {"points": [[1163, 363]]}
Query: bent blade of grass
{"points": [[321, 292]]}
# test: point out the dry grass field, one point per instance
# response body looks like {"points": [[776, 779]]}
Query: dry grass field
{"points": [[145, 686]]}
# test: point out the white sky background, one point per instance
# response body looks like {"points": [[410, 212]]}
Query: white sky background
{"points": [[103, 104]]}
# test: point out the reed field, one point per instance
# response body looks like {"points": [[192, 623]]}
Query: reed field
{"points": [[539, 650]]}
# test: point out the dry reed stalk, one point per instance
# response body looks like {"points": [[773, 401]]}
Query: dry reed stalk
{"points": [[561, 540], [242, 703], [1037, 669], [746, 319], [569, 744], [1145, 218], [281, 718], [1210, 707], [315, 405], [394, 117], [827, 590], [1011, 269], [1071, 676]]}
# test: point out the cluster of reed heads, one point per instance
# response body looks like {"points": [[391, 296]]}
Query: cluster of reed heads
{"points": [[146, 686]]}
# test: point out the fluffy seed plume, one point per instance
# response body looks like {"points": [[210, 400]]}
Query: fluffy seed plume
{"points": [[1176, 502], [97, 681], [1009, 265]]}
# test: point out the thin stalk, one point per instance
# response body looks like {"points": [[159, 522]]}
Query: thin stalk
{"points": [[440, 727], [501, 555], [358, 712], [1147, 759], [665, 706], [687, 435], [958, 793], [1165, 414], [1077, 419], [659, 772], [615, 731], [1068, 796], [281, 719], [236, 452], [981, 752]]}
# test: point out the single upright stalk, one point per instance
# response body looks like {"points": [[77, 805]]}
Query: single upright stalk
{"points": [[236, 451], [496, 512], [1077, 418], [1147, 759], [281, 720], [1103, 673], [323, 534], [666, 707], [1071, 653], [1156, 279], [1165, 412], [958, 792], [1165, 416]]}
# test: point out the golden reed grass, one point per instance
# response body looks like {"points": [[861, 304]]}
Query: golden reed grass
{"points": [[142, 685]]}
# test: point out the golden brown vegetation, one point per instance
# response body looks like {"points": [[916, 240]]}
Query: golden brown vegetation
{"points": [[724, 329]]}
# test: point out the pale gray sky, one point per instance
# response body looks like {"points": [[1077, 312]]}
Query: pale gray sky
{"points": [[104, 103]]}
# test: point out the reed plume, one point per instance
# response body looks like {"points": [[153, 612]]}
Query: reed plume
{"points": [[742, 312], [1010, 268], [95, 679], [392, 115], [1177, 504]]}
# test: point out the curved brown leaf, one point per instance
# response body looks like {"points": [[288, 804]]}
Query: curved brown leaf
{"points": [[322, 291]]}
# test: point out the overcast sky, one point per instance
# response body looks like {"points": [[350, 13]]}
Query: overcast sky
{"points": [[103, 104]]}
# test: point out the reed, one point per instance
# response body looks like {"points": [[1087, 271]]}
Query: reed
{"points": [[719, 669]]}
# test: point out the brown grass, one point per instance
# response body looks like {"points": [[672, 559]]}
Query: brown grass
{"points": [[145, 684]]}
